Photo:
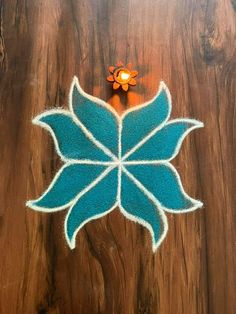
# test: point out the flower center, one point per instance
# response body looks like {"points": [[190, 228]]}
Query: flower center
{"points": [[122, 75]]}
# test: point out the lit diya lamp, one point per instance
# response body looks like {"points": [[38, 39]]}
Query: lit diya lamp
{"points": [[122, 76]]}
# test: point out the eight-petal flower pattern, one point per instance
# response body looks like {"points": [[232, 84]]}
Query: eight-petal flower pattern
{"points": [[116, 161]]}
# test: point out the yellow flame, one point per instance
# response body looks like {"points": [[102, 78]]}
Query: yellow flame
{"points": [[124, 76]]}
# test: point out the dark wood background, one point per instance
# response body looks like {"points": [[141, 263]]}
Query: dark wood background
{"points": [[190, 44]]}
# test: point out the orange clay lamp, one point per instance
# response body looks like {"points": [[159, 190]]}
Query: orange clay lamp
{"points": [[122, 76]]}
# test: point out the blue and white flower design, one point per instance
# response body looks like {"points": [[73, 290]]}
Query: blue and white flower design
{"points": [[116, 161]]}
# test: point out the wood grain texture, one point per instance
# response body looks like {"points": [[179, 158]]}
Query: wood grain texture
{"points": [[190, 44]]}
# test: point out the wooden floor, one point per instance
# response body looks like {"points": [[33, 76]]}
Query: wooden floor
{"points": [[190, 44]]}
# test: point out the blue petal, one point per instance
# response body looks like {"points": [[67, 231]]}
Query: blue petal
{"points": [[68, 182], [97, 202], [139, 122], [138, 207], [96, 116], [163, 181], [165, 143], [70, 140]]}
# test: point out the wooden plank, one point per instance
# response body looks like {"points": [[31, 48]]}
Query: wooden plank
{"points": [[191, 46]]}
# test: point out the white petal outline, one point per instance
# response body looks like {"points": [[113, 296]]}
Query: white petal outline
{"points": [[144, 223], [75, 84], [119, 118], [102, 175], [162, 87], [119, 166], [196, 125], [37, 121], [196, 203], [44, 125], [72, 242]]}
